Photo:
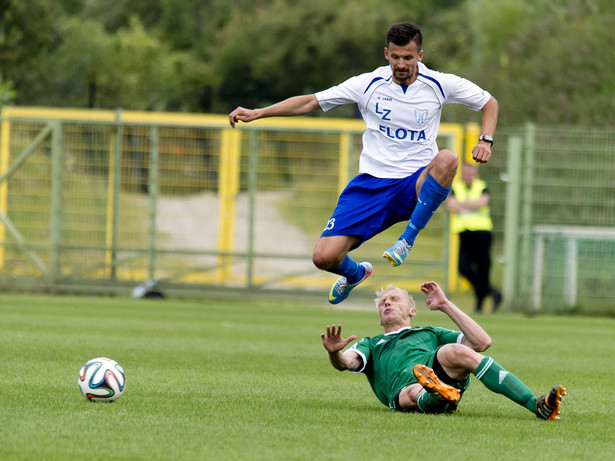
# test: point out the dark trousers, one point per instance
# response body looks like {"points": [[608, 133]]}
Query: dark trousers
{"points": [[475, 262]]}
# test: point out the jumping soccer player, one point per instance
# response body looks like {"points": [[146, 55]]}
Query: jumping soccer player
{"points": [[402, 175], [427, 369]]}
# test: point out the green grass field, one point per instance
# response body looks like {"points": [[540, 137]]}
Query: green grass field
{"points": [[231, 380]]}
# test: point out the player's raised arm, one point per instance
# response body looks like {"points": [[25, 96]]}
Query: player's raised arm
{"points": [[482, 151], [473, 334], [297, 105]]}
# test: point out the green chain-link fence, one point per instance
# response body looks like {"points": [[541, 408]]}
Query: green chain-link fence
{"points": [[104, 200]]}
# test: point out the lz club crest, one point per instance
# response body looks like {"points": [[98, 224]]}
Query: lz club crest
{"points": [[420, 116]]}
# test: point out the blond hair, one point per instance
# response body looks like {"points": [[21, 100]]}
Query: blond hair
{"points": [[390, 287]]}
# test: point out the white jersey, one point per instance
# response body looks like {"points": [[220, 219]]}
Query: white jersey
{"points": [[402, 123]]}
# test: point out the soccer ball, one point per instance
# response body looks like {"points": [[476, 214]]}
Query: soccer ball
{"points": [[102, 380]]}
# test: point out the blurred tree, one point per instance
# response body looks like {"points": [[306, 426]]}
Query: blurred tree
{"points": [[293, 47], [27, 33], [7, 93], [192, 24], [116, 14], [92, 68], [290, 48], [555, 71], [538, 57]]}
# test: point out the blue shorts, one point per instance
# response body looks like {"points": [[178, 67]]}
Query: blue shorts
{"points": [[369, 205]]}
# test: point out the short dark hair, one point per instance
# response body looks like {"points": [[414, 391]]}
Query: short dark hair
{"points": [[403, 33]]}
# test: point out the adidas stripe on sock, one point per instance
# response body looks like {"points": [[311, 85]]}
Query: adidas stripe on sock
{"points": [[497, 379]]}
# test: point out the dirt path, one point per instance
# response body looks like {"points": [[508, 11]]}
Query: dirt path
{"points": [[191, 223]]}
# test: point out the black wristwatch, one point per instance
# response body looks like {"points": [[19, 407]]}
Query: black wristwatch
{"points": [[487, 138]]}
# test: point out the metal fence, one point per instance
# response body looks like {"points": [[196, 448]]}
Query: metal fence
{"points": [[100, 201], [552, 190]]}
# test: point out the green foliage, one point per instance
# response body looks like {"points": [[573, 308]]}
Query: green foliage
{"points": [[554, 72], [129, 69], [117, 14], [73, 68], [290, 49], [27, 33], [191, 25], [250, 380], [540, 58], [7, 93]]}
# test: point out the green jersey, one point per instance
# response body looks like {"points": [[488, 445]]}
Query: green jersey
{"points": [[389, 358]]}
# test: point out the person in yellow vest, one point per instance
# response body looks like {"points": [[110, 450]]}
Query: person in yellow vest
{"points": [[469, 203]]}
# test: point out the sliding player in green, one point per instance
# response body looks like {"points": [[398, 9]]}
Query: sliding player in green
{"points": [[427, 369]]}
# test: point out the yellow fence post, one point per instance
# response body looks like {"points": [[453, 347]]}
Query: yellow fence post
{"points": [[471, 138], [5, 130], [228, 186]]}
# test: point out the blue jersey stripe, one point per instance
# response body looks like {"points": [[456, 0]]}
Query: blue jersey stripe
{"points": [[435, 81], [372, 82]]}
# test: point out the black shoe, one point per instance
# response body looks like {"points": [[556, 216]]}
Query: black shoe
{"points": [[547, 406]]}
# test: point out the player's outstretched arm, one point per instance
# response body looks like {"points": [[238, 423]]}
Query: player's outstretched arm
{"points": [[297, 105], [334, 344], [482, 151], [473, 334]]}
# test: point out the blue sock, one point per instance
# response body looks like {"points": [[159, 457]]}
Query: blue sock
{"points": [[350, 269], [431, 195]]}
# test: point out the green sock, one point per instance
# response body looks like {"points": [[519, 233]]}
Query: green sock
{"points": [[497, 379], [429, 404]]}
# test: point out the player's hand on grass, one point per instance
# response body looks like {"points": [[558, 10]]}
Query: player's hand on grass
{"points": [[332, 339]]}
